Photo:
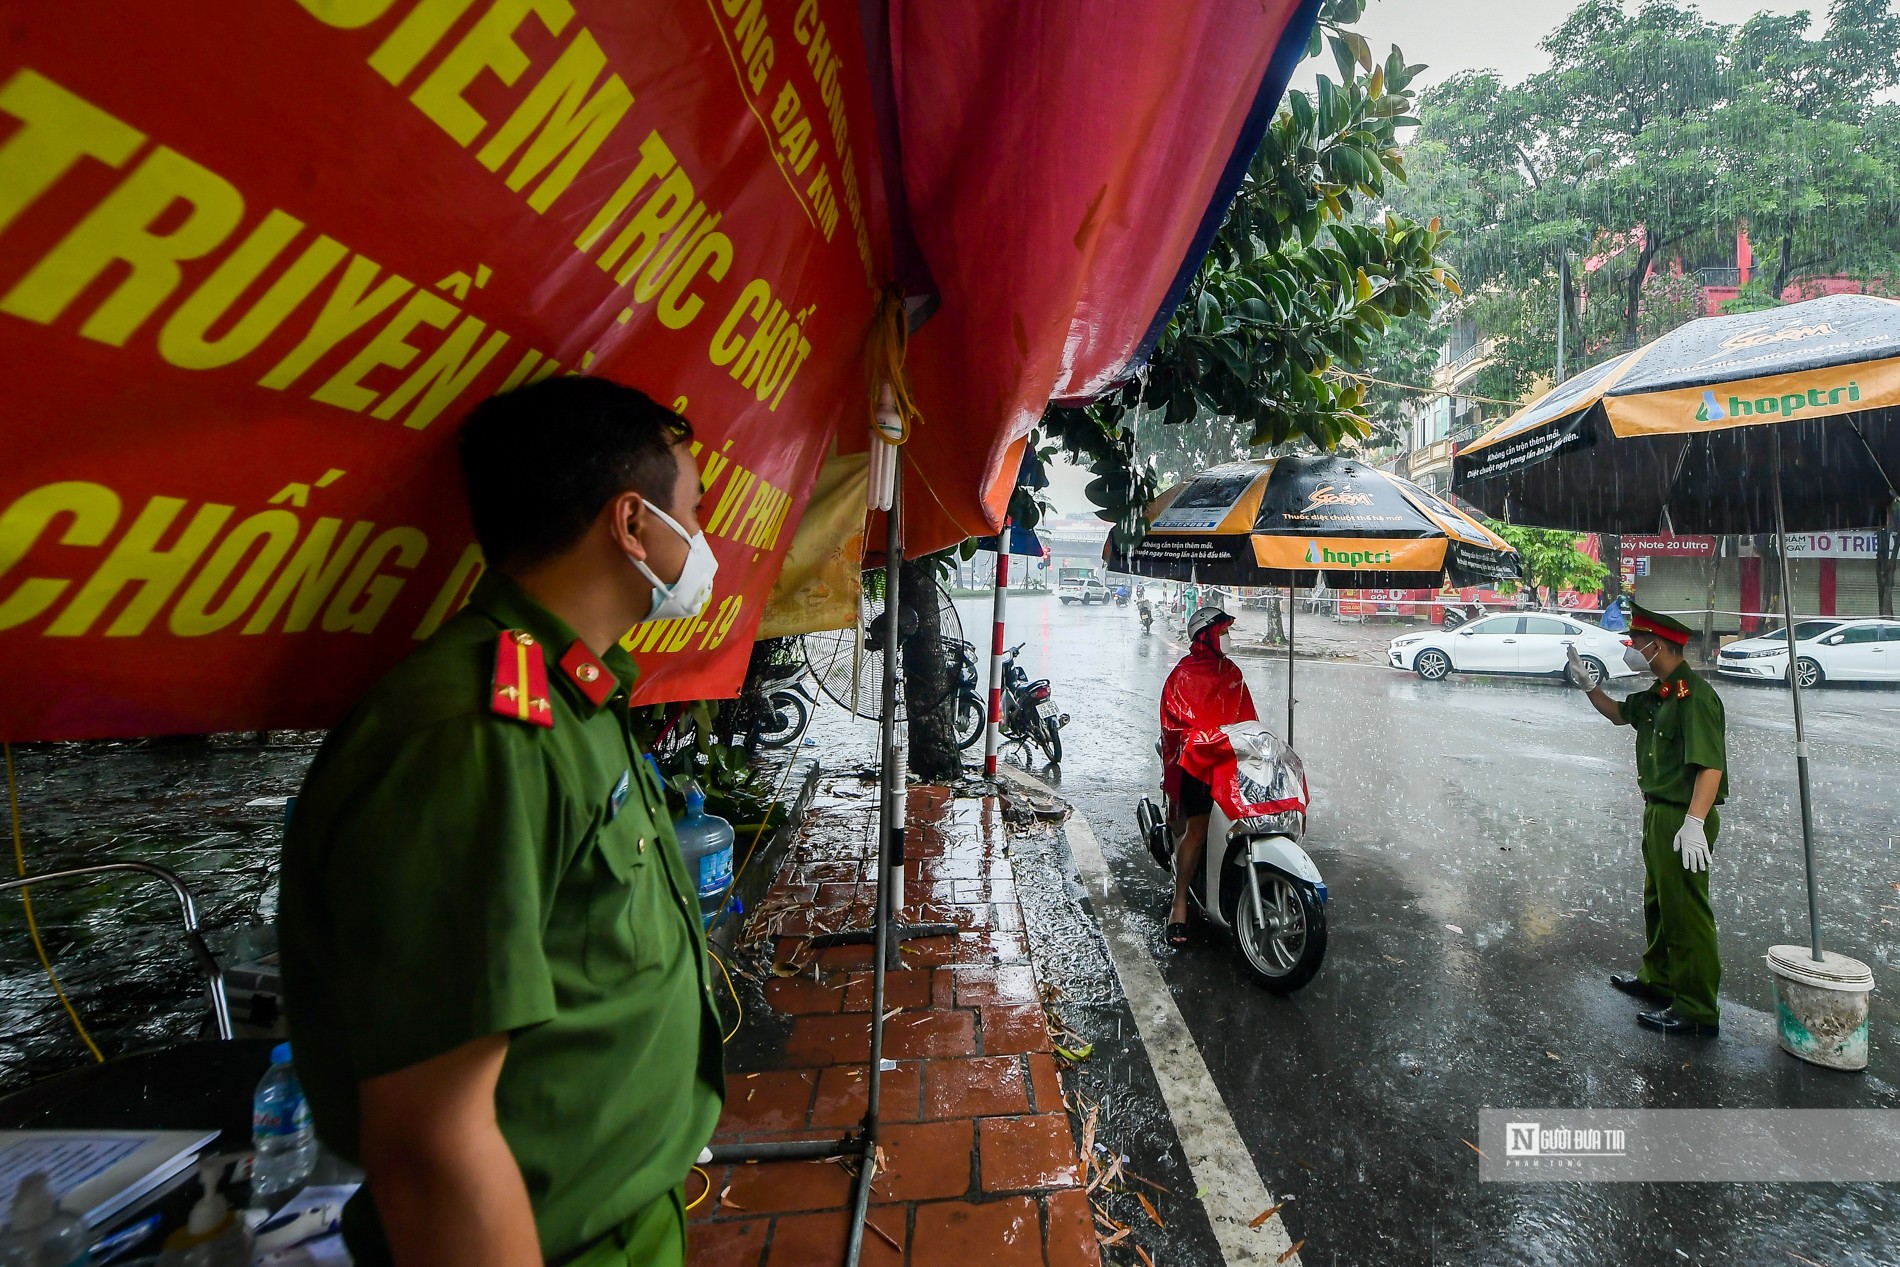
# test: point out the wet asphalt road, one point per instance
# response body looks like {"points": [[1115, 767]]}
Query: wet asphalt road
{"points": [[1480, 841]]}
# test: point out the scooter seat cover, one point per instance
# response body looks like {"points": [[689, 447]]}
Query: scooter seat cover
{"points": [[1250, 770]]}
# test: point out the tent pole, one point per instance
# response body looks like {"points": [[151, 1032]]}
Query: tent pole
{"points": [[993, 725], [890, 853], [1289, 664], [1800, 730]]}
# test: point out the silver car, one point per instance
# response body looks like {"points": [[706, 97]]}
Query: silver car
{"points": [[1827, 649], [1518, 642]]}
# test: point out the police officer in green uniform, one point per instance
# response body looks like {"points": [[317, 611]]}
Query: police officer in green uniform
{"points": [[496, 981], [1682, 769]]}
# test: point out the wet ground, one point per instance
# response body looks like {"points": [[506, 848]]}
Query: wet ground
{"points": [[1479, 838], [183, 804]]}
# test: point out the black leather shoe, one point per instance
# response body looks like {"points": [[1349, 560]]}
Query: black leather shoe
{"points": [[1628, 983], [1669, 1023]]}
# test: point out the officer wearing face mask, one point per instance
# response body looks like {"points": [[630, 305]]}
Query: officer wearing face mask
{"points": [[1682, 769], [496, 983]]}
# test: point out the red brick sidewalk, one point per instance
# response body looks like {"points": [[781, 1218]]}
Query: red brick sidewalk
{"points": [[980, 1160]]}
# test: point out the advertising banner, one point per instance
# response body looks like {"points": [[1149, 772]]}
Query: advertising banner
{"points": [[1834, 545], [257, 257]]}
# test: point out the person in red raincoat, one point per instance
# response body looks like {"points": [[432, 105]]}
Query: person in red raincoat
{"points": [[1204, 691]]}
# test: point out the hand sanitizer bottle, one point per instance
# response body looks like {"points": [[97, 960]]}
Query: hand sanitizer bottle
{"points": [[39, 1233]]}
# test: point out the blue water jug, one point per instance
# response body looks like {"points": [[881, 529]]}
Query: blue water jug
{"points": [[706, 844]]}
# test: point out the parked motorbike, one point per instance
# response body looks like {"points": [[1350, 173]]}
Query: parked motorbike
{"points": [[1462, 614], [1029, 714], [788, 705], [1255, 881], [972, 713]]}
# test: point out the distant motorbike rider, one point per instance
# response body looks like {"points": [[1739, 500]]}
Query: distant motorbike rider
{"points": [[1204, 691]]}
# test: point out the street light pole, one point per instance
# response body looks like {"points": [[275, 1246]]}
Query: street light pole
{"points": [[1563, 305]]}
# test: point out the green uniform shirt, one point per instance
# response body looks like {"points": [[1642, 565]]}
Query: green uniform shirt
{"points": [[1680, 729], [450, 873]]}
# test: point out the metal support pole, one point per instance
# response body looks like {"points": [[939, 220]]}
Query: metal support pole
{"points": [[890, 859], [993, 728], [1800, 729], [1289, 664], [1563, 306]]}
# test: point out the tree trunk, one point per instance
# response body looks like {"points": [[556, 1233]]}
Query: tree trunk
{"points": [[1276, 623], [1770, 573], [930, 677], [1633, 300], [1610, 549], [1884, 564], [1784, 265], [1709, 575]]}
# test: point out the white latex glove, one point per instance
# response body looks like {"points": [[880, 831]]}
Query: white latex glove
{"points": [[1692, 843], [1574, 672]]}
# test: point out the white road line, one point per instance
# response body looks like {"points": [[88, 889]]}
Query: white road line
{"points": [[1218, 1160]]}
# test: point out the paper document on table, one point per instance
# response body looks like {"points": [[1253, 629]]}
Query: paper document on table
{"points": [[95, 1174]]}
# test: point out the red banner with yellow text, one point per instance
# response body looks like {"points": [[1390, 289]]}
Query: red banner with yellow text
{"points": [[257, 257]]}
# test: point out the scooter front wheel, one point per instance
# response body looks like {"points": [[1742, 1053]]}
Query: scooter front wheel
{"points": [[1285, 952]]}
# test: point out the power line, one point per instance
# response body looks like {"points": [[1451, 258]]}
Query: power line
{"points": [[1431, 391]]}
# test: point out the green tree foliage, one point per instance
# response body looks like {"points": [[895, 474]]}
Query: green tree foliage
{"points": [[1403, 357], [1654, 136], [1292, 298], [1552, 558]]}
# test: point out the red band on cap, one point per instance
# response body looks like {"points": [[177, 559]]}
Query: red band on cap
{"points": [[1642, 624]]}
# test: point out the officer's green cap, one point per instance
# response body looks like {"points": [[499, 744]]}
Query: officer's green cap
{"points": [[1668, 628]]}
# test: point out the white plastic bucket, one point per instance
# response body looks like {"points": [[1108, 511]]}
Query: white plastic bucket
{"points": [[1821, 1008]]}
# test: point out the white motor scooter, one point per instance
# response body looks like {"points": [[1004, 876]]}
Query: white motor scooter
{"points": [[1255, 881]]}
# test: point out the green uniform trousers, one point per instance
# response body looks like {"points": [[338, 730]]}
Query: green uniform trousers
{"points": [[1681, 957], [655, 1237]]}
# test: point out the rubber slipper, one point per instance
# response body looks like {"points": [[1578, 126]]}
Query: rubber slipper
{"points": [[1178, 934]]}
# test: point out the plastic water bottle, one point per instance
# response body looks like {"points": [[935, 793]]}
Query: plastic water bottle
{"points": [[280, 1131], [39, 1233], [706, 844]]}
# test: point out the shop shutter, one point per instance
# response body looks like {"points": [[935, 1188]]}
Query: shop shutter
{"points": [[1678, 586], [1805, 576], [1856, 588]]}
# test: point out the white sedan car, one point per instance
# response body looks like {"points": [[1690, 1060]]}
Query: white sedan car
{"points": [[1527, 642], [1826, 650]]}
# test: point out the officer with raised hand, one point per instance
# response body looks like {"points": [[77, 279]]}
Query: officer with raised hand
{"points": [[1682, 769], [495, 976]]}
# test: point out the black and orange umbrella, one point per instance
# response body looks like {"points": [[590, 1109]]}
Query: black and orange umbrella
{"points": [[1292, 520]]}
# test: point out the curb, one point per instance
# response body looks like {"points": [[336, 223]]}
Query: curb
{"points": [[1234, 1195]]}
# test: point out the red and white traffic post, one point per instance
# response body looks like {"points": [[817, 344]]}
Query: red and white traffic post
{"points": [[992, 733]]}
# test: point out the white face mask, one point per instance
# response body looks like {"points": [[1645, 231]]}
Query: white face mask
{"points": [[1225, 642], [692, 590], [1637, 661]]}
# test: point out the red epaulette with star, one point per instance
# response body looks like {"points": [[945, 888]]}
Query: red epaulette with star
{"points": [[585, 671], [520, 691]]}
